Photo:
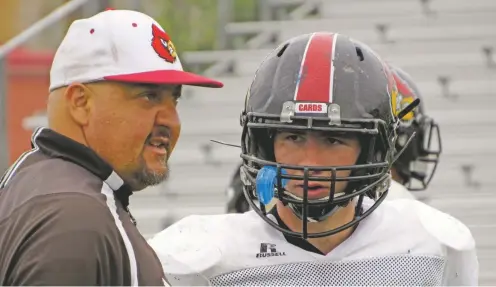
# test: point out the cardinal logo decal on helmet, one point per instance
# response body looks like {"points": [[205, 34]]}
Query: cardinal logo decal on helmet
{"points": [[392, 90], [163, 45], [404, 97]]}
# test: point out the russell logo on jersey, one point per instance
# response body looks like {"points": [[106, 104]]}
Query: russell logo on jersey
{"points": [[269, 250]]}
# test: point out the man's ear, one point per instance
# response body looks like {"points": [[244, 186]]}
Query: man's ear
{"points": [[78, 99]]}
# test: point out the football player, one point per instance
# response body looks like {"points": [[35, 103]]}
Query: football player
{"points": [[414, 168], [319, 130]]}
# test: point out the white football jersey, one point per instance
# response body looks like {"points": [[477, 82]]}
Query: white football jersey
{"points": [[398, 191], [403, 242]]}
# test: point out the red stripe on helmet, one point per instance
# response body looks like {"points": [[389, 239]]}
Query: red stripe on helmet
{"points": [[315, 78]]}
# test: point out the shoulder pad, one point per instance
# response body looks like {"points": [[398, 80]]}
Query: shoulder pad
{"points": [[187, 246], [444, 227], [398, 191]]}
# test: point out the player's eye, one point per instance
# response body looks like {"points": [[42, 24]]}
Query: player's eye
{"points": [[294, 137], [333, 141]]}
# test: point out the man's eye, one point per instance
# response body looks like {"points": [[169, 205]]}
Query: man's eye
{"points": [[177, 97], [152, 96]]}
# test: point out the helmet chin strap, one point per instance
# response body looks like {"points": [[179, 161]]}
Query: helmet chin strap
{"points": [[315, 213]]}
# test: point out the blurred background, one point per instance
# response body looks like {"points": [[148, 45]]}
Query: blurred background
{"points": [[446, 45]]}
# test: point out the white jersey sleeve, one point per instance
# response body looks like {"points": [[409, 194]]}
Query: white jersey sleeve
{"points": [[462, 266]]}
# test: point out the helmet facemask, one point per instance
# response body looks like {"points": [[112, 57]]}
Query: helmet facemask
{"points": [[369, 176], [417, 165]]}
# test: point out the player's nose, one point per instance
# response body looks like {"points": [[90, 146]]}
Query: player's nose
{"points": [[312, 157]]}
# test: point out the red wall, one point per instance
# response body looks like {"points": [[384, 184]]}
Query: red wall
{"points": [[27, 92]]}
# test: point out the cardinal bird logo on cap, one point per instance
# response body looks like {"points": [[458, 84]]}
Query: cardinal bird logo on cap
{"points": [[162, 45]]}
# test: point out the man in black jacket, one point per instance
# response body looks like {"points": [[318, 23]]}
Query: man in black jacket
{"points": [[64, 219]]}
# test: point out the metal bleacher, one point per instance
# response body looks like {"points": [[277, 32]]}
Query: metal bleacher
{"points": [[446, 45]]}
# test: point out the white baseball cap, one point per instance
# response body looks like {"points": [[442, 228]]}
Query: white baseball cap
{"points": [[120, 45]]}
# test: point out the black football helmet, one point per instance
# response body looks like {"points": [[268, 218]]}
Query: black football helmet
{"points": [[418, 162], [323, 82]]}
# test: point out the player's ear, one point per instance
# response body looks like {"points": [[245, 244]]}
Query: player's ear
{"points": [[78, 102]]}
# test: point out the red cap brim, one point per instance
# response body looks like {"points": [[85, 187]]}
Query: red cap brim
{"points": [[167, 77]]}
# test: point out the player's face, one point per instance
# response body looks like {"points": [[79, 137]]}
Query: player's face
{"points": [[135, 128], [315, 149]]}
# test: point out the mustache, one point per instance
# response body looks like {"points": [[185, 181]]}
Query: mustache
{"points": [[160, 132]]}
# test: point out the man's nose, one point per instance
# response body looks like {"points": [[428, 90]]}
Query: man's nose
{"points": [[167, 116]]}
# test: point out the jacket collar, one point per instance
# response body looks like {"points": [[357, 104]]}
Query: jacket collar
{"points": [[57, 145]]}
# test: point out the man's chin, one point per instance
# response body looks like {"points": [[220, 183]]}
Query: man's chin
{"points": [[148, 177]]}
